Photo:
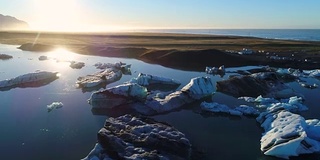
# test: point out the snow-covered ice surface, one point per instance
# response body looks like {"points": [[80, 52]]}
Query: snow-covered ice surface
{"points": [[287, 134]]}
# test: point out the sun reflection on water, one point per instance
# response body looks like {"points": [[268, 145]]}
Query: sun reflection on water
{"points": [[61, 58], [62, 55]]}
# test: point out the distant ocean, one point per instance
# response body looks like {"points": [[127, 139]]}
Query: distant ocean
{"points": [[289, 34]]}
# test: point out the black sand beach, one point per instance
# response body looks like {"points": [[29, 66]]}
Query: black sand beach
{"points": [[180, 51]]}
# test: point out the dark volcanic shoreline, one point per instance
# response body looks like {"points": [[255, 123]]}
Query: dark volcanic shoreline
{"points": [[179, 51]]}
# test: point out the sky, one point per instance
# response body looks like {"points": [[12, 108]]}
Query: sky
{"points": [[77, 15]]}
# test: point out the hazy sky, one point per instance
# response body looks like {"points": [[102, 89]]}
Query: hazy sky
{"points": [[100, 14]]}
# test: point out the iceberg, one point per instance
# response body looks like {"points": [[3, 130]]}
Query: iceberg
{"points": [[260, 101], [221, 108], [265, 83], [128, 137], [54, 105], [118, 95], [196, 89], [5, 57], [76, 65], [110, 73], [199, 87], [314, 73], [153, 102], [106, 76], [146, 79], [214, 70], [42, 58], [103, 66], [309, 86], [287, 134], [26, 79], [293, 104], [247, 110]]}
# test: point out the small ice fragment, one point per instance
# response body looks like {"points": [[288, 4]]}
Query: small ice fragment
{"points": [[54, 105]]}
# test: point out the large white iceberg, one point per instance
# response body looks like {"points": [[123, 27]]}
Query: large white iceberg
{"points": [[28, 78], [287, 134], [198, 88]]}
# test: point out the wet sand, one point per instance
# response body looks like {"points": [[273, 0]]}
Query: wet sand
{"points": [[180, 51]]}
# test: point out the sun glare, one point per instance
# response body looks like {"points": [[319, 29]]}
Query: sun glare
{"points": [[62, 55], [56, 15]]}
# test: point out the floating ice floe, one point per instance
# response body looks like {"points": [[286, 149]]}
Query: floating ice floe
{"points": [[42, 58], [106, 76], [54, 105], [300, 73], [198, 88], [293, 104], [314, 73], [129, 137], [112, 73], [260, 101], [28, 78], [264, 83], [221, 108], [309, 86], [125, 68], [287, 134], [155, 102], [118, 95], [214, 70], [100, 65], [76, 65], [146, 79], [5, 56]]}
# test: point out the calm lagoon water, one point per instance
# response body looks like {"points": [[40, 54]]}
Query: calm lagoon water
{"points": [[28, 131]]}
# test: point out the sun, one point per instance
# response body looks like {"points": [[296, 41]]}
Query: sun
{"points": [[57, 15]]}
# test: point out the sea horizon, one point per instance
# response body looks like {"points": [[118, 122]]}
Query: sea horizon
{"points": [[283, 34]]}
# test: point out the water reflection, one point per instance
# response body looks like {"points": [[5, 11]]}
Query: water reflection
{"points": [[62, 55]]}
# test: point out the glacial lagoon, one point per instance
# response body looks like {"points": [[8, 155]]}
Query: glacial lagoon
{"points": [[29, 131]]}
